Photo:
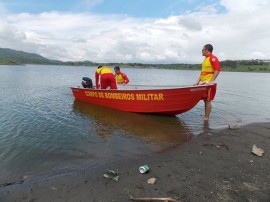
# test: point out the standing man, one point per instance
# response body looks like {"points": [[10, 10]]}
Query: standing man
{"points": [[209, 73], [121, 78], [107, 78]]}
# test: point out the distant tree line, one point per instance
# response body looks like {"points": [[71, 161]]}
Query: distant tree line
{"points": [[13, 57], [246, 65]]}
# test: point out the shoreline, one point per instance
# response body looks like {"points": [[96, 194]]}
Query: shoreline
{"points": [[215, 166]]}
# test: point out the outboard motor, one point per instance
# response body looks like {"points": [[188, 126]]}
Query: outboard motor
{"points": [[87, 82]]}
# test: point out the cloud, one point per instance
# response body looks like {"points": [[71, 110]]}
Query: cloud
{"points": [[10, 36], [244, 5], [235, 34], [190, 22]]}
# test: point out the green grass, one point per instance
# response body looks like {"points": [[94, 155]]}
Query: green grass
{"points": [[7, 62]]}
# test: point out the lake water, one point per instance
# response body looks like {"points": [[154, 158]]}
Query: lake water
{"points": [[43, 131]]}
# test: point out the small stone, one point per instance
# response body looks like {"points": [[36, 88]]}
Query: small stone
{"points": [[233, 126], [151, 181], [25, 177]]}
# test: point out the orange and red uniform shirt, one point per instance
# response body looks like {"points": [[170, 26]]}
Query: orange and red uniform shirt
{"points": [[209, 65], [121, 78], [107, 78]]}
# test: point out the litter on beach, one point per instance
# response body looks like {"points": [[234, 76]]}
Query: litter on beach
{"points": [[257, 151], [110, 174], [152, 199]]}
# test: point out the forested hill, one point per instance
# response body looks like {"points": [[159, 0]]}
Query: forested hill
{"points": [[20, 57], [10, 56]]}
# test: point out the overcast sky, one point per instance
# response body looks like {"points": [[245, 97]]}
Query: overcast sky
{"points": [[142, 31]]}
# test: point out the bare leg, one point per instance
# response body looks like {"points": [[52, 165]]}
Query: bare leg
{"points": [[207, 108]]}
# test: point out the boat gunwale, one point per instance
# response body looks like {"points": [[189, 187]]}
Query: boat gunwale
{"points": [[144, 87]]}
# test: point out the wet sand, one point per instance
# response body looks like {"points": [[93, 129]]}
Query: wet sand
{"points": [[215, 166]]}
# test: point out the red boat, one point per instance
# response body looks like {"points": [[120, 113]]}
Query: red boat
{"points": [[164, 100]]}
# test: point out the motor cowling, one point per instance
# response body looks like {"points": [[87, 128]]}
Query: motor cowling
{"points": [[87, 82]]}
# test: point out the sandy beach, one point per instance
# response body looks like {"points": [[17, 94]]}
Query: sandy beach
{"points": [[217, 165]]}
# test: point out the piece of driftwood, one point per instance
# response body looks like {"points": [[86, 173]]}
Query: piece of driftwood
{"points": [[153, 199]]}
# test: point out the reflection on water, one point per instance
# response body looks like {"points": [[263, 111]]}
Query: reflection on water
{"points": [[149, 128]]}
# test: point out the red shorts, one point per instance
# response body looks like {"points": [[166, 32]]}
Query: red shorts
{"points": [[107, 80], [211, 93]]}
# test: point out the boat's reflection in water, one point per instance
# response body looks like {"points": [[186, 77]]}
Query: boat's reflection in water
{"points": [[151, 129]]}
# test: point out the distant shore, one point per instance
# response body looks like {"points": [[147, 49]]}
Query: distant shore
{"points": [[226, 66], [14, 57], [252, 69], [215, 166]]}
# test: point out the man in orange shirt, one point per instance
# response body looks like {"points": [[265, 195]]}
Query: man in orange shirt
{"points": [[209, 73], [107, 78], [121, 78]]}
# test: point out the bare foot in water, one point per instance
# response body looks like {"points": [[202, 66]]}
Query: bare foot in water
{"points": [[205, 119]]}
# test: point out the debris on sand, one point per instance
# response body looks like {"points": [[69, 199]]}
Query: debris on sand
{"points": [[153, 199], [110, 174], [257, 151], [233, 125]]}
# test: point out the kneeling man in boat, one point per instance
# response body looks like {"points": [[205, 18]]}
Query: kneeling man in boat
{"points": [[209, 73], [121, 78], [107, 78]]}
